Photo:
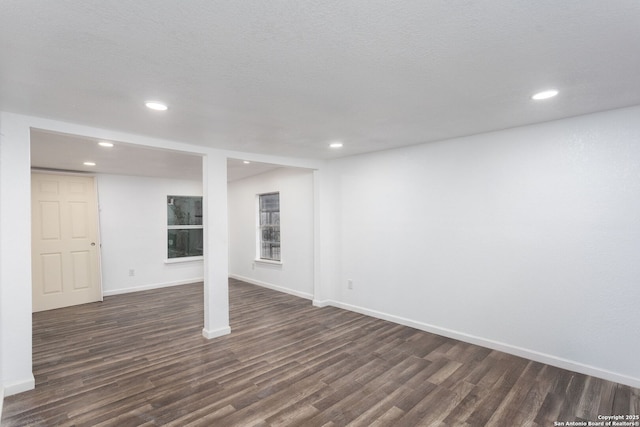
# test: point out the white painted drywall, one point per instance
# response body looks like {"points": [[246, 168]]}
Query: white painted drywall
{"points": [[295, 275], [1, 278], [133, 227], [526, 239], [216, 246], [15, 255]]}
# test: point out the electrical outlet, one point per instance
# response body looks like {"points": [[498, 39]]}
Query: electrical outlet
{"points": [[132, 272], [349, 284]]}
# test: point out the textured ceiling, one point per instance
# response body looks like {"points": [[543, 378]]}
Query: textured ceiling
{"points": [[288, 77], [51, 150]]}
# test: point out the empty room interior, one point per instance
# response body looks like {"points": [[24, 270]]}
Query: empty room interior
{"points": [[401, 213]]}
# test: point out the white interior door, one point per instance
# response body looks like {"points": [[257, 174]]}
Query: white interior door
{"points": [[65, 254]]}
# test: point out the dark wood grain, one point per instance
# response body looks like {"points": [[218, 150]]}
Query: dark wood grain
{"points": [[140, 360]]}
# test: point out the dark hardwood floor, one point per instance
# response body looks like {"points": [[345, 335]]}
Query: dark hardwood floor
{"points": [[140, 359]]}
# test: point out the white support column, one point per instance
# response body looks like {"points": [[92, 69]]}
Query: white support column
{"points": [[15, 255], [216, 247], [318, 295], [325, 241]]}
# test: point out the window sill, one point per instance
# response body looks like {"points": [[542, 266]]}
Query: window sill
{"points": [[183, 259], [268, 262]]}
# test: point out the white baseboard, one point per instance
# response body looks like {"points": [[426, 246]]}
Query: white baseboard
{"points": [[494, 345], [19, 386], [323, 303], [304, 295], [151, 286], [209, 334]]}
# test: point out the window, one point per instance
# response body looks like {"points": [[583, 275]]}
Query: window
{"points": [[184, 226], [269, 230]]}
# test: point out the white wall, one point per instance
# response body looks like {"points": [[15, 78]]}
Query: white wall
{"points": [[15, 255], [133, 225], [1, 278], [526, 240], [295, 275]]}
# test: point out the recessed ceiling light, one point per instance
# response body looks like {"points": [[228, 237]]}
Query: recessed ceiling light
{"points": [[89, 163], [335, 145], [545, 94], [246, 162], [154, 105], [105, 144]]}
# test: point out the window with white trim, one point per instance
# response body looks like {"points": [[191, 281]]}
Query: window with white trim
{"points": [[269, 227], [184, 227]]}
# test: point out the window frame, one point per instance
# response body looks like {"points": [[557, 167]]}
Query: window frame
{"points": [[260, 230], [173, 259]]}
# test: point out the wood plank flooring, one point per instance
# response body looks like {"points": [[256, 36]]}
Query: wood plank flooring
{"points": [[140, 360]]}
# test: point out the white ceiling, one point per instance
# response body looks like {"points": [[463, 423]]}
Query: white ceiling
{"points": [[288, 77], [68, 152], [65, 152]]}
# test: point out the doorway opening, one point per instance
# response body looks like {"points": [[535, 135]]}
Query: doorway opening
{"points": [[133, 183]]}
